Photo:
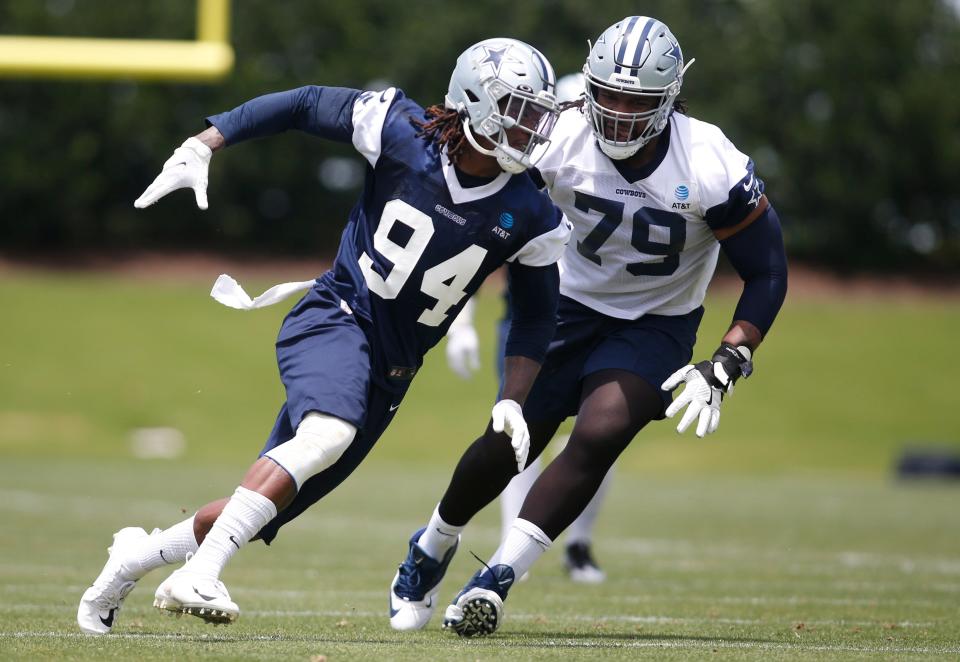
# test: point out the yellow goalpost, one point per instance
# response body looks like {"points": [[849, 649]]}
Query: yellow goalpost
{"points": [[209, 57]]}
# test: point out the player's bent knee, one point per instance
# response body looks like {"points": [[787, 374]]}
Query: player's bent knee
{"points": [[594, 454], [319, 442]]}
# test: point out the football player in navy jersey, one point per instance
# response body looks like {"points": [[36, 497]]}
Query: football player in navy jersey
{"points": [[444, 204], [653, 196]]}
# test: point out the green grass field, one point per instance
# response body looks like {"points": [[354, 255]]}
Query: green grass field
{"points": [[784, 536]]}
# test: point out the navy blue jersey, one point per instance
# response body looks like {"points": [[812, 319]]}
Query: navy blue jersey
{"points": [[417, 244]]}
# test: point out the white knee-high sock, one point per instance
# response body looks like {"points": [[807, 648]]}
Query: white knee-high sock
{"points": [[439, 536], [172, 545], [524, 544], [242, 518], [513, 496], [581, 530]]}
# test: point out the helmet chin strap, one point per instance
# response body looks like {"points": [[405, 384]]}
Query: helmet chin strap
{"points": [[506, 161]]}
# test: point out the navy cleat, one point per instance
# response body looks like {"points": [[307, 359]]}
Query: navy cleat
{"points": [[413, 592], [478, 610]]}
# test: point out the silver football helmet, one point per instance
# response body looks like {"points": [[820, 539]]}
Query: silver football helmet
{"points": [[637, 56], [502, 84], [570, 87]]}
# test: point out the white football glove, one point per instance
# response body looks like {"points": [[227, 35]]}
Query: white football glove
{"points": [[707, 383], [463, 351], [508, 417], [463, 346], [187, 168]]}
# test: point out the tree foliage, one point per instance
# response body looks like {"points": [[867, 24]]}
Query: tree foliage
{"points": [[847, 108]]}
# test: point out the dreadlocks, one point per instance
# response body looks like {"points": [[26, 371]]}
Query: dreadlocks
{"points": [[445, 128]]}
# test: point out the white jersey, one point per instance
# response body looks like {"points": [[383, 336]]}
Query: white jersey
{"points": [[646, 246]]}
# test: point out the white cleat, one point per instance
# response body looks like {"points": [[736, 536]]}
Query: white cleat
{"points": [[101, 602], [478, 609], [413, 591], [185, 592], [407, 614], [581, 565], [477, 612], [588, 575]]}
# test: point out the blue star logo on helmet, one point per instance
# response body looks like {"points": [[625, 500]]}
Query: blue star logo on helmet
{"points": [[496, 57], [675, 54], [506, 220], [681, 192]]}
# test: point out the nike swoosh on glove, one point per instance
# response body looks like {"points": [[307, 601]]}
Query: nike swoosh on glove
{"points": [[706, 383]]}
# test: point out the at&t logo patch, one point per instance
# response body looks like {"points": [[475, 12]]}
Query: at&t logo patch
{"points": [[504, 223]]}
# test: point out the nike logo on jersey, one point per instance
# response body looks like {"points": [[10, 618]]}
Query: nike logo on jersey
{"points": [[749, 184], [108, 621], [234, 541], [394, 407]]}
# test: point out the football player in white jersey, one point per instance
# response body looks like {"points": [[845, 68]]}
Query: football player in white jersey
{"points": [[653, 195], [446, 203], [463, 357]]}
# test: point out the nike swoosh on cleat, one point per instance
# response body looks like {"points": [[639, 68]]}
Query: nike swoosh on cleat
{"points": [[163, 557], [449, 535], [108, 621], [205, 597], [393, 612], [505, 582], [234, 541]]}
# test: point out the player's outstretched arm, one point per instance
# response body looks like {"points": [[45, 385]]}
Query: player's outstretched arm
{"points": [[756, 252], [322, 111], [187, 168]]}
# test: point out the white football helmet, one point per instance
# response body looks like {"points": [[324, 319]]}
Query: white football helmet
{"points": [[570, 87], [637, 56], [501, 84]]}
